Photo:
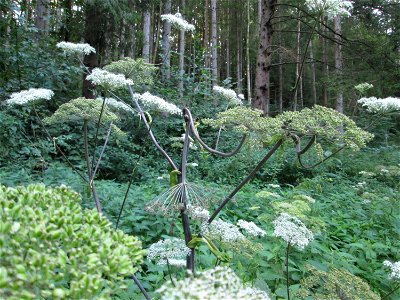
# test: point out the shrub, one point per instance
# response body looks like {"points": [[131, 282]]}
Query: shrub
{"points": [[50, 247]]}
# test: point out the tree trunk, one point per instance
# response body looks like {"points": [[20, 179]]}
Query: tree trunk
{"points": [[313, 75], [42, 15], [94, 35], [325, 66], [214, 41], [263, 67], [181, 55], [298, 62], [239, 60], [166, 44], [157, 34], [338, 62], [248, 53], [206, 36], [146, 34]]}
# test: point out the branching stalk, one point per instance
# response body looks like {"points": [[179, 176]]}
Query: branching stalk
{"points": [[246, 180]]}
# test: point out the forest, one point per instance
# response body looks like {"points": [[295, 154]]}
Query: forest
{"points": [[214, 149]]}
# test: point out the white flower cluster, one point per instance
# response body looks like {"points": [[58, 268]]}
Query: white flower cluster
{"points": [[229, 95], [224, 231], [198, 213], [153, 102], [274, 186], [107, 79], [172, 251], [118, 104], [177, 21], [217, 283], [26, 96], [331, 8], [251, 228], [394, 269], [363, 87], [292, 230], [380, 105], [68, 47]]}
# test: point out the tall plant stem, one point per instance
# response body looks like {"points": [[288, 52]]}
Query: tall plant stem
{"points": [[140, 286], [89, 168], [97, 131], [247, 179], [287, 271], [102, 152], [182, 179], [129, 187], [150, 132], [58, 147]]}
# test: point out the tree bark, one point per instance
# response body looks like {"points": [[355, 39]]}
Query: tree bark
{"points": [[338, 62], [313, 75], [157, 34], [146, 34], [239, 60], [95, 29], [42, 15], [262, 100], [325, 66], [181, 55], [298, 63], [248, 75], [166, 62], [206, 36], [214, 43]]}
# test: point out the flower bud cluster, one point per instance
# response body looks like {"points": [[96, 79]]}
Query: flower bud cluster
{"points": [[26, 96]]}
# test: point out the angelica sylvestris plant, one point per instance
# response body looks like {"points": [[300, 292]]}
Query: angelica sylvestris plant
{"points": [[229, 95], [51, 248], [380, 105], [294, 233], [73, 48], [217, 283]]}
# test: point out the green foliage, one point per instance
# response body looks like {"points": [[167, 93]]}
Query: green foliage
{"points": [[334, 285], [50, 247]]}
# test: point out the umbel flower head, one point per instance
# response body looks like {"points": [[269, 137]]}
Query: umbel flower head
{"points": [[292, 230], [108, 80], [363, 87], [394, 269], [178, 22], [251, 228], [229, 95], [118, 104], [83, 48], [152, 102], [213, 284], [26, 96], [380, 105], [171, 251], [330, 8]]}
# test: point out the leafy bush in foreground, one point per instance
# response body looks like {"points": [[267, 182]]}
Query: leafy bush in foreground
{"points": [[51, 248]]}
